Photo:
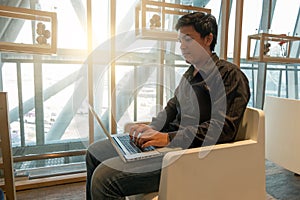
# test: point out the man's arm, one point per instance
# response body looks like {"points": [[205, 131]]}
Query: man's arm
{"points": [[238, 96], [164, 117]]}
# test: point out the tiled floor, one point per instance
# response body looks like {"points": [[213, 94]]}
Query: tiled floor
{"points": [[74, 191], [281, 184]]}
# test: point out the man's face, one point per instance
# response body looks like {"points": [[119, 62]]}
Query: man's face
{"points": [[194, 49]]}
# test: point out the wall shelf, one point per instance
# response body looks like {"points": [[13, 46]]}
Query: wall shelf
{"points": [[46, 28], [275, 48]]}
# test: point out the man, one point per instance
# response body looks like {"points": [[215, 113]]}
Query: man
{"points": [[206, 109]]}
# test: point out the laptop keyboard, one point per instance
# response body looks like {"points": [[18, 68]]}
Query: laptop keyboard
{"points": [[131, 146]]}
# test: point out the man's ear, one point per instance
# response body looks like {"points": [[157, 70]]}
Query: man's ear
{"points": [[209, 39]]}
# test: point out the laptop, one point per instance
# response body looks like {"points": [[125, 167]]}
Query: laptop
{"points": [[125, 147]]}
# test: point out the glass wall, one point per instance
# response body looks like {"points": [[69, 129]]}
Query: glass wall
{"points": [[282, 79], [48, 93], [47, 130]]}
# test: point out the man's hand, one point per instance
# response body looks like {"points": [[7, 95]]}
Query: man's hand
{"points": [[136, 129], [144, 136]]}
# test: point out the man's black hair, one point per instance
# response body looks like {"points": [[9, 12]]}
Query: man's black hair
{"points": [[203, 24]]}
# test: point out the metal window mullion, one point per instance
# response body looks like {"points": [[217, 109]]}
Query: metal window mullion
{"points": [[1, 74], [253, 85], [90, 70], [280, 81], [21, 108], [38, 101], [223, 24], [135, 94], [261, 85], [292, 82], [287, 82], [112, 74], [160, 74], [238, 32], [295, 51], [265, 23], [170, 74], [296, 82], [295, 47]]}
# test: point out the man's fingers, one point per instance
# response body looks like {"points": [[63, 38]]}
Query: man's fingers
{"points": [[136, 129], [148, 144], [141, 128], [139, 135], [143, 138], [133, 131], [140, 139]]}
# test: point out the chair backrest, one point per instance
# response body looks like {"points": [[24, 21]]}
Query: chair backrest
{"points": [[249, 126]]}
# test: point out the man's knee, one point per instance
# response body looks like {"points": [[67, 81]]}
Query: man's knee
{"points": [[104, 182]]}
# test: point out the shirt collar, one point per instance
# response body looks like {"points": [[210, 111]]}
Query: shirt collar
{"points": [[206, 69], [209, 66]]}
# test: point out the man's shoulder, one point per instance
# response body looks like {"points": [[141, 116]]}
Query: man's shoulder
{"points": [[221, 63], [229, 69]]}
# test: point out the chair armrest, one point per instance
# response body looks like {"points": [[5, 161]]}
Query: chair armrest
{"points": [[230, 171]]}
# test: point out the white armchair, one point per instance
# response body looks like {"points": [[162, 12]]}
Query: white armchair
{"points": [[282, 132], [232, 171]]}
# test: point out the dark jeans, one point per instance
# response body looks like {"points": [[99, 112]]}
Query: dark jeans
{"points": [[108, 177], [1, 194]]}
